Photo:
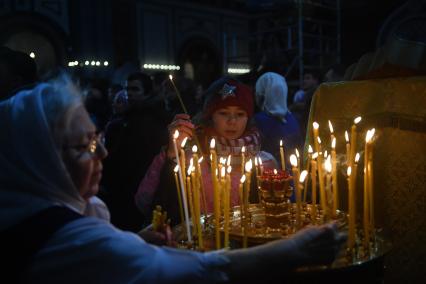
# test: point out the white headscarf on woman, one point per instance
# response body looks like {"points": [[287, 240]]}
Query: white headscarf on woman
{"points": [[271, 95], [32, 174]]}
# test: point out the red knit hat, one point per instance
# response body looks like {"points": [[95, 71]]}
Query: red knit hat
{"points": [[228, 92]]}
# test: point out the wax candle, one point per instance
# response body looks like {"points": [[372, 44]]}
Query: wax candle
{"points": [[243, 209], [321, 177], [216, 192], [183, 159], [314, 185], [371, 183], [227, 206], [295, 171], [366, 217], [351, 219], [315, 127], [328, 169], [185, 204], [302, 178], [354, 139], [176, 169], [308, 168], [334, 177], [282, 155], [348, 148], [190, 197], [243, 158]]}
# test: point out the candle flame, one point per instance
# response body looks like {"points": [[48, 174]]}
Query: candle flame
{"points": [[176, 134], [357, 157], [328, 164], [170, 77], [212, 143], [325, 154], [243, 149], [315, 125], [349, 171], [191, 162], [190, 169], [200, 159], [297, 153], [315, 155], [275, 171], [310, 150], [255, 161], [319, 140], [331, 127], [222, 172], [303, 175], [248, 166], [228, 162], [260, 161], [243, 179], [369, 135], [293, 160], [176, 169], [229, 169], [182, 145], [194, 149], [357, 120], [333, 143], [347, 136]]}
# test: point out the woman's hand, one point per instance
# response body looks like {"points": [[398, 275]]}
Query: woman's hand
{"points": [[163, 237], [183, 124]]}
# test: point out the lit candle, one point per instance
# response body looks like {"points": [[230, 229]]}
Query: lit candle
{"points": [[308, 168], [321, 178], [314, 185], [199, 177], [260, 166], [328, 169], [282, 155], [302, 178], [190, 197], [182, 187], [354, 139], [216, 204], [295, 170], [183, 159], [371, 191], [348, 148], [334, 177], [299, 166], [330, 126], [244, 210], [351, 221], [246, 194], [243, 159], [315, 127], [178, 193], [227, 202]]}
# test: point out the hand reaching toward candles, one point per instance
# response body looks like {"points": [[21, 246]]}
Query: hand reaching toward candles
{"points": [[314, 245], [182, 123]]}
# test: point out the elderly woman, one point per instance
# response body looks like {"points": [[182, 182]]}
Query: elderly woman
{"points": [[50, 166], [274, 121]]}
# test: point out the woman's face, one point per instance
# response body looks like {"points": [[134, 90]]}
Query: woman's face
{"points": [[83, 153], [230, 122]]}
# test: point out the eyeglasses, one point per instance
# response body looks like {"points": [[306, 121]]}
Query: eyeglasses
{"points": [[96, 143]]}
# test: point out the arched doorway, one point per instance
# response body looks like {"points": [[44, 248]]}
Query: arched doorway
{"points": [[200, 60], [36, 36]]}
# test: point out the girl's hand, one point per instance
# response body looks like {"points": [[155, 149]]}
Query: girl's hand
{"points": [[182, 123]]}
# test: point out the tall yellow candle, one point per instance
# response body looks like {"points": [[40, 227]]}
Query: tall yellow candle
{"points": [[216, 192], [315, 128], [282, 155], [190, 198], [351, 219], [321, 180], [314, 185], [178, 194], [308, 169], [246, 194], [366, 211], [354, 139], [295, 171], [227, 206], [348, 149], [328, 169], [182, 187], [183, 159], [243, 158], [244, 210], [334, 177], [371, 184], [196, 218], [301, 180]]}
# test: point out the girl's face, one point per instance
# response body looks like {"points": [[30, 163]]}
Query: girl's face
{"points": [[230, 122]]}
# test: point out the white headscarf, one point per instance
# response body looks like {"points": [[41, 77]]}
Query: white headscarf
{"points": [[32, 174], [271, 95]]}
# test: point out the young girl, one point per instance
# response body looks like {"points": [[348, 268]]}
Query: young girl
{"points": [[226, 116]]}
